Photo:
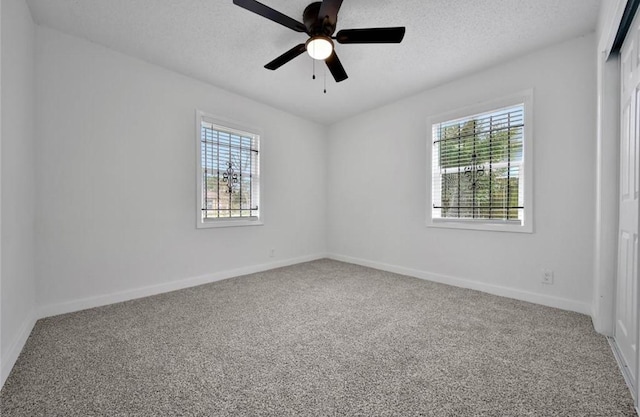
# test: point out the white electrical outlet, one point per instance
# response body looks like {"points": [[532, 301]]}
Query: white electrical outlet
{"points": [[547, 276], [272, 253]]}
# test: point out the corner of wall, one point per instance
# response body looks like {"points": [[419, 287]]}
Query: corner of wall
{"points": [[10, 357], [17, 192]]}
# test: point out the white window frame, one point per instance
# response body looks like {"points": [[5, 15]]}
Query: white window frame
{"points": [[240, 128], [526, 173]]}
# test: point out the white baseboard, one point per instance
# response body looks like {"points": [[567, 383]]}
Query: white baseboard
{"points": [[102, 300], [624, 369], [546, 300], [9, 358]]}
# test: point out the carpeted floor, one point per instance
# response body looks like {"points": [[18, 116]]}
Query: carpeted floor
{"points": [[323, 338]]}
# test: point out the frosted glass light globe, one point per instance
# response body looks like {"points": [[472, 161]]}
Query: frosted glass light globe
{"points": [[319, 47]]}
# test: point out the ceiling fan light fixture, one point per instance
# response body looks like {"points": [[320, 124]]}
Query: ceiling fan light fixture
{"points": [[320, 47]]}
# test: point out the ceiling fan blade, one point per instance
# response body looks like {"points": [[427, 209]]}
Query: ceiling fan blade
{"points": [[373, 35], [286, 57], [271, 14], [336, 68], [330, 8]]}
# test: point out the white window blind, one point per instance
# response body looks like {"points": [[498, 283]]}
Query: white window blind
{"points": [[477, 167], [229, 174]]}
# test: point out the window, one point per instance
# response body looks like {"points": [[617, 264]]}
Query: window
{"points": [[228, 174], [480, 170]]}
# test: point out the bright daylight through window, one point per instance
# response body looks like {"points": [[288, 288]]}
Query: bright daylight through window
{"points": [[478, 176], [228, 174]]}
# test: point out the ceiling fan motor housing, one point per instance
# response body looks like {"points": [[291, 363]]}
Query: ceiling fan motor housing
{"points": [[315, 24]]}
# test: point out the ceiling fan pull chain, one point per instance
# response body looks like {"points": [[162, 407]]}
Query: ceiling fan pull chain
{"points": [[314, 69], [325, 80]]}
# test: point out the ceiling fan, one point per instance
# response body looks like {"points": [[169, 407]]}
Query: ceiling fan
{"points": [[320, 19]]}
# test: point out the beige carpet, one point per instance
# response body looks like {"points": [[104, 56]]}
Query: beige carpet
{"points": [[322, 338]]}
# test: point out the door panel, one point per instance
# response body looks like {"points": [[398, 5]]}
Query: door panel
{"points": [[626, 314]]}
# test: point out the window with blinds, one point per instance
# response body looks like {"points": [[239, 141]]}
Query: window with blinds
{"points": [[478, 167], [229, 175]]}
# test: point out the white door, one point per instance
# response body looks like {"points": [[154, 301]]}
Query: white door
{"points": [[626, 316]]}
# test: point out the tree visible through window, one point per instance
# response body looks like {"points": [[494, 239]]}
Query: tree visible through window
{"points": [[477, 166], [229, 173]]}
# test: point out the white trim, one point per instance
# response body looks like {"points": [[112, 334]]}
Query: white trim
{"points": [[525, 97], [240, 128], [606, 187], [546, 300], [470, 224], [624, 369], [611, 28], [607, 169], [228, 223], [102, 300], [9, 358]]}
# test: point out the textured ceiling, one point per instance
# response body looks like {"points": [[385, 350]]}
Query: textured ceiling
{"points": [[227, 46]]}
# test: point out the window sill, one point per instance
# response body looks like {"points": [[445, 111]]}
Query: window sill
{"points": [[228, 223], [492, 226]]}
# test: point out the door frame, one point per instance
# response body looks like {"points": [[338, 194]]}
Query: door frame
{"points": [[607, 171]]}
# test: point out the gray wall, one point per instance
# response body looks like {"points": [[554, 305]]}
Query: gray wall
{"points": [[18, 180]]}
